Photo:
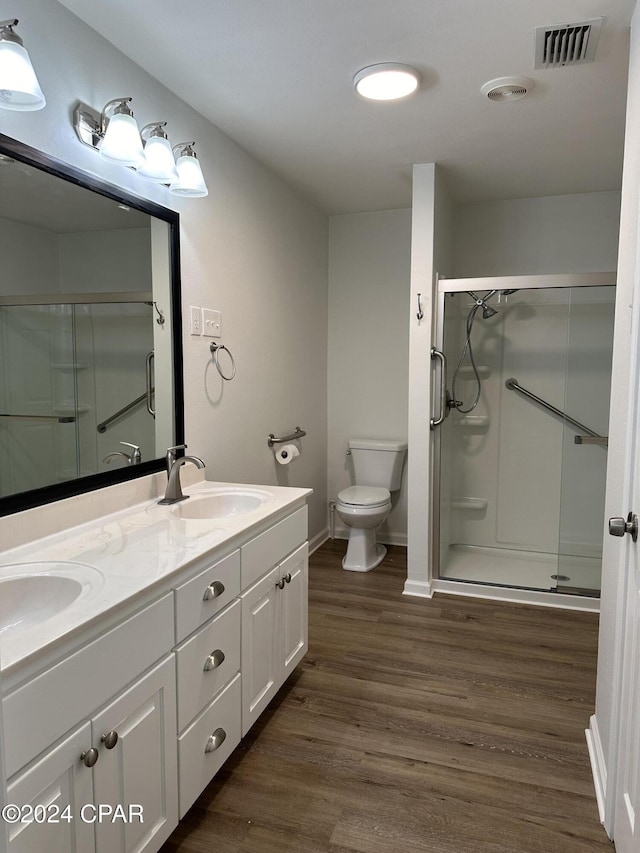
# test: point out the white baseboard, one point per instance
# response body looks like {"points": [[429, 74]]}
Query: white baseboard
{"points": [[598, 765], [318, 540], [419, 589]]}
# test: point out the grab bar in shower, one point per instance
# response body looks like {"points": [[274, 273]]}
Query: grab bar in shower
{"points": [[600, 440], [123, 411], [512, 385]]}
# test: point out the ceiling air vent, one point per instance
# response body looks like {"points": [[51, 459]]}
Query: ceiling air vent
{"points": [[567, 44]]}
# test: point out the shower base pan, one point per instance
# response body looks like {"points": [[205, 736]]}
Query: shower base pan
{"points": [[522, 569]]}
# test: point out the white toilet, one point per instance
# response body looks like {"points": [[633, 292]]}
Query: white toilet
{"points": [[377, 467]]}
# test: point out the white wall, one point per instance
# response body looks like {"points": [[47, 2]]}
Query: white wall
{"points": [[253, 249], [555, 234], [30, 259], [369, 272]]}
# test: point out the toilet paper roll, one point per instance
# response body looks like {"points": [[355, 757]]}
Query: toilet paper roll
{"points": [[287, 453]]}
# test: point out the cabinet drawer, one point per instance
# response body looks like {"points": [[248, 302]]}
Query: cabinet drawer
{"points": [[216, 645], [196, 766], [262, 553], [41, 711], [192, 609]]}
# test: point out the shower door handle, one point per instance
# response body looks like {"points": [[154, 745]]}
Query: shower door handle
{"points": [[440, 356]]}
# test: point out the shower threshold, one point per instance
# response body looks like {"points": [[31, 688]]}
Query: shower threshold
{"points": [[522, 569]]}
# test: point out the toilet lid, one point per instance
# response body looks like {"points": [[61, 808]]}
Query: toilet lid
{"points": [[364, 496]]}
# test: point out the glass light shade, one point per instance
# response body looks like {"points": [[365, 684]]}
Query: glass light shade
{"points": [[122, 142], [387, 81], [19, 87], [190, 182], [159, 165]]}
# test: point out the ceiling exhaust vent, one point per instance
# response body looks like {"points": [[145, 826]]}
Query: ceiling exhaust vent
{"points": [[567, 44]]}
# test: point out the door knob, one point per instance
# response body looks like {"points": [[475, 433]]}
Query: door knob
{"points": [[618, 526]]}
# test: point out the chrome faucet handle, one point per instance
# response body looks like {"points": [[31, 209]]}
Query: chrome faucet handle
{"points": [[135, 458], [171, 455]]}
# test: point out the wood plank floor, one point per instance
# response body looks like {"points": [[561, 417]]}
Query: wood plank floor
{"points": [[454, 725]]}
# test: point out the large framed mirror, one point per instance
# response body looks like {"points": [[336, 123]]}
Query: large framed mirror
{"points": [[91, 390]]}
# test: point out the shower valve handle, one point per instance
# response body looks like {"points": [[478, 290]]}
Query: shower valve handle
{"points": [[618, 526]]}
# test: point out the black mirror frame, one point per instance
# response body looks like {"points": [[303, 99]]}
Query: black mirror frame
{"points": [[48, 494]]}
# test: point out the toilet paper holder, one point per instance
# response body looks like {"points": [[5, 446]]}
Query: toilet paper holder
{"points": [[299, 433]]}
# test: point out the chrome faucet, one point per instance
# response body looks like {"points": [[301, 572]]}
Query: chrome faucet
{"points": [[173, 493], [133, 458]]}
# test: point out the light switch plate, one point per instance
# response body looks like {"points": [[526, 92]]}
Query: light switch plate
{"points": [[195, 315], [211, 323]]}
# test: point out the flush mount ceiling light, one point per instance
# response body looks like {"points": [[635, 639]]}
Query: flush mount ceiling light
{"points": [[387, 81], [19, 87], [507, 88]]}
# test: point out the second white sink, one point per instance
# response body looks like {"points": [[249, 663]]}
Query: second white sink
{"points": [[221, 504]]}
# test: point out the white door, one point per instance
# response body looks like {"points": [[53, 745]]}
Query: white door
{"points": [[627, 796], [294, 609], [57, 787], [261, 666], [140, 769]]}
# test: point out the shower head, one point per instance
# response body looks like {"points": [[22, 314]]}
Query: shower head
{"points": [[488, 311]]}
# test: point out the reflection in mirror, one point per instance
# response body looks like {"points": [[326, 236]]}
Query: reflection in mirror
{"points": [[90, 387]]}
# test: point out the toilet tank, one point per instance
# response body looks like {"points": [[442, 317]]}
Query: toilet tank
{"points": [[378, 462]]}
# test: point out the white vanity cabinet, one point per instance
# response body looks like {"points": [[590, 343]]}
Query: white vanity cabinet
{"points": [[135, 765], [274, 632], [140, 718]]}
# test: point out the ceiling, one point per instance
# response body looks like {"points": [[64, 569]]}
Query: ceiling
{"points": [[276, 75]]}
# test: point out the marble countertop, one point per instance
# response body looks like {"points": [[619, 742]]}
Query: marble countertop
{"points": [[120, 556]]}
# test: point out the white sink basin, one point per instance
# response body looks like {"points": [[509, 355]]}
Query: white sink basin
{"points": [[31, 593], [221, 504]]}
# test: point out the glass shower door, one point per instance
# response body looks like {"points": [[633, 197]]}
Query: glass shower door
{"points": [[584, 456]]}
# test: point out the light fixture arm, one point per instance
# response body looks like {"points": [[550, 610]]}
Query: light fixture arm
{"points": [[7, 33], [154, 128], [186, 149], [122, 108]]}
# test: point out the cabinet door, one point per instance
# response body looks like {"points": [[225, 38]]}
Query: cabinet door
{"points": [[294, 609], [141, 769], [261, 664], [57, 780]]}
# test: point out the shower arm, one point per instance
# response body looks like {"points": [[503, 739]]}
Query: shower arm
{"points": [[512, 385]]}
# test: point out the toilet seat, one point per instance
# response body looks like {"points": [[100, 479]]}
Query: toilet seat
{"points": [[366, 496]]}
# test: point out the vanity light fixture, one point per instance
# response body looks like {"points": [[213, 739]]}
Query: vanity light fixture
{"points": [[190, 181], [113, 131], [19, 87], [386, 81], [159, 165]]}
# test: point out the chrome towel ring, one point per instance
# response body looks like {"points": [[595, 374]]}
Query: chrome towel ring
{"points": [[215, 350]]}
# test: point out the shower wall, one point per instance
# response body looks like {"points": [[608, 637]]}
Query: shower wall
{"points": [[503, 464]]}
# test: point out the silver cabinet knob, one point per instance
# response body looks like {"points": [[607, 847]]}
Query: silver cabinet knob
{"points": [[89, 757], [214, 590], [214, 660], [215, 740], [618, 526], [287, 577], [109, 739], [280, 583]]}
